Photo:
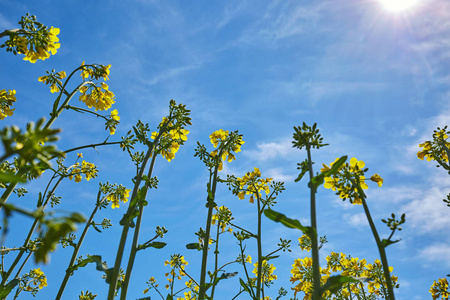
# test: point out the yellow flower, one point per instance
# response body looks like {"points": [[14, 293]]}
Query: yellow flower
{"points": [[6, 101], [377, 178]]}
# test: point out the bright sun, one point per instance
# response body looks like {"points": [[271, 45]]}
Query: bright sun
{"points": [[398, 5]]}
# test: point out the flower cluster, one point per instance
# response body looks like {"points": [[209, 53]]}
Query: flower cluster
{"points": [[54, 79], [438, 149], [345, 181], [88, 169], [440, 289], [34, 40], [33, 281], [267, 272], [6, 101], [220, 137], [252, 184], [177, 262], [94, 71], [99, 97], [151, 284], [120, 193], [223, 217], [170, 141], [112, 122], [347, 266]]}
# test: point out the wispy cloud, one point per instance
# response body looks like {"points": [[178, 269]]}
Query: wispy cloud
{"points": [[281, 19], [436, 253], [271, 150], [5, 23]]}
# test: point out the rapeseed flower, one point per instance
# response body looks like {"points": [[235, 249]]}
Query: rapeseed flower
{"points": [[6, 101]]}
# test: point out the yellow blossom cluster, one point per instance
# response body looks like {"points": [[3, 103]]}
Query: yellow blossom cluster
{"points": [[6, 101], [218, 140], [177, 262], [33, 281], [170, 141], [437, 149], [266, 272], [54, 79], [439, 289], [41, 49], [120, 194], [96, 72], [252, 184], [343, 182], [347, 266], [192, 293], [99, 97], [223, 217], [113, 121], [88, 169], [152, 284]]}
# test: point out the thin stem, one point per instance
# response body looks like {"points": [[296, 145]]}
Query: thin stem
{"points": [[23, 264], [258, 241], [30, 233], [380, 246], [126, 226], [135, 243], [216, 261], [78, 246], [209, 201], [313, 236]]}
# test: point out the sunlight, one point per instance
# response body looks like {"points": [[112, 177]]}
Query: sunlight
{"points": [[396, 6]]}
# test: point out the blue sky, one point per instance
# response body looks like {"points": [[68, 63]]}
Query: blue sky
{"points": [[376, 82]]}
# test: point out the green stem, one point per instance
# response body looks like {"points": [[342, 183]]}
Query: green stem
{"points": [[210, 204], [78, 246], [258, 241], [30, 233], [134, 245], [314, 243], [380, 246], [126, 226], [216, 261]]}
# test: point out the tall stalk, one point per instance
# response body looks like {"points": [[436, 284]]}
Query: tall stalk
{"points": [[381, 248], [126, 226], [259, 245], [78, 246], [210, 204], [314, 243], [135, 243]]}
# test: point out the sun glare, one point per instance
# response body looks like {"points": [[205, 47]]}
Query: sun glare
{"points": [[396, 6]]}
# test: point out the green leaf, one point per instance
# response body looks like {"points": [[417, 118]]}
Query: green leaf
{"points": [[334, 283], [169, 297], [157, 245], [290, 223], [6, 289], [228, 275], [245, 286], [318, 180], [97, 259], [11, 178], [195, 246], [95, 227], [269, 257], [386, 243]]}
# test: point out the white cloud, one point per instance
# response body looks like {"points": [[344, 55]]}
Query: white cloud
{"points": [[266, 151], [436, 253], [427, 213], [357, 219], [277, 175]]}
